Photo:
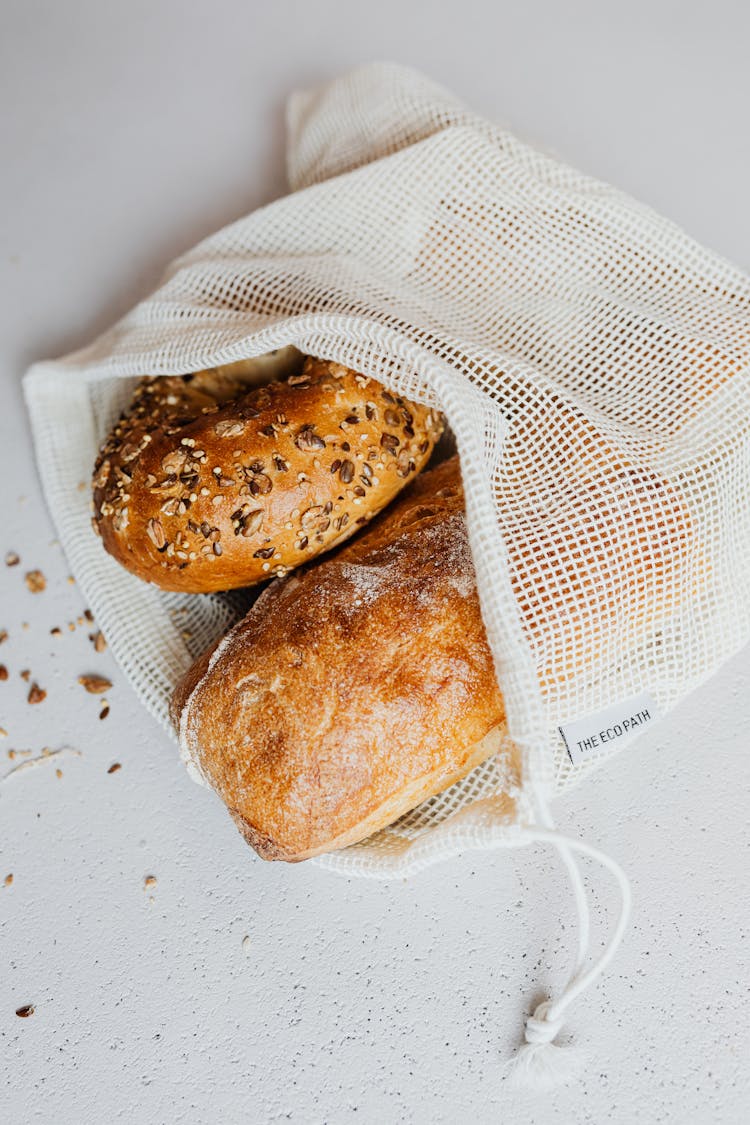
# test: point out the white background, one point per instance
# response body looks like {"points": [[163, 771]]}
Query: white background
{"points": [[128, 131]]}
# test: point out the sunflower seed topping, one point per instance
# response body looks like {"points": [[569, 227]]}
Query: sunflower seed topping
{"points": [[155, 533], [315, 519], [260, 484], [251, 523], [307, 440], [229, 427]]}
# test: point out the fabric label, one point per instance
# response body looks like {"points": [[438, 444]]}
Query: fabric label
{"points": [[609, 729]]}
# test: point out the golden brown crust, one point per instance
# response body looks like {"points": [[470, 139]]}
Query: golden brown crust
{"points": [[353, 690], [206, 485]]}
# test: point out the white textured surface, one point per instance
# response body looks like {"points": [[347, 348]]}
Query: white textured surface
{"points": [[353, 1001]]}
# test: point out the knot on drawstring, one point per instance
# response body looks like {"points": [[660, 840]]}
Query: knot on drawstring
{"points": [[540, 1063], [539, 1027]]}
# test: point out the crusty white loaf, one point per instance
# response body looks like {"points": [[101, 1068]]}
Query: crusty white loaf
{"points": [[354, 689]]}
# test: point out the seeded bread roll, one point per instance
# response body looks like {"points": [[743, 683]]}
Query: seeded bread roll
{"points": [[205, 485], [353, 690]]}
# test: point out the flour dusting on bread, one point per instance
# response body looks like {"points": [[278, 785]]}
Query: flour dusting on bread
{"points": [[354, 689]]}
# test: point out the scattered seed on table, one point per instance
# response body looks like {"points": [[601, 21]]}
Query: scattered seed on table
{"points": [[104, 712], [149, 881], [25, 675], [3, 635], [26, 1010], [3, 672], [114, 767], [12, 559], [56, 631], [7, 880]]}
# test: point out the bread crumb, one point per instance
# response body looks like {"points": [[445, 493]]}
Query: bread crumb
{"points": [[35, 581], [3, 672], [58, 773], [98, 641], [7, 881], [3, 635], [12, 559], [26, 1010], [95, 685], [36, 694], [3, 732], [26, 674], [149, 881]]}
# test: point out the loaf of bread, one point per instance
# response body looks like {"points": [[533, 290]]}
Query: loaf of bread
{"points": [[352, 690], [206, 484]]}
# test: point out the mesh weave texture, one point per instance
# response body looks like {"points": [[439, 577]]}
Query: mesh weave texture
{"points": [[592, 361]]}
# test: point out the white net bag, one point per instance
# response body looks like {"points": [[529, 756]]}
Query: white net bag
{"points": [[591, 361]]}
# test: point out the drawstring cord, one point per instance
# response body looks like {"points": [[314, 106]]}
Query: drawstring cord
{"points": [[540, 1062], [576, 882]]}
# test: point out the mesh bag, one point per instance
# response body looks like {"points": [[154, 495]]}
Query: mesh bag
{"points": [[590, 358]]}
